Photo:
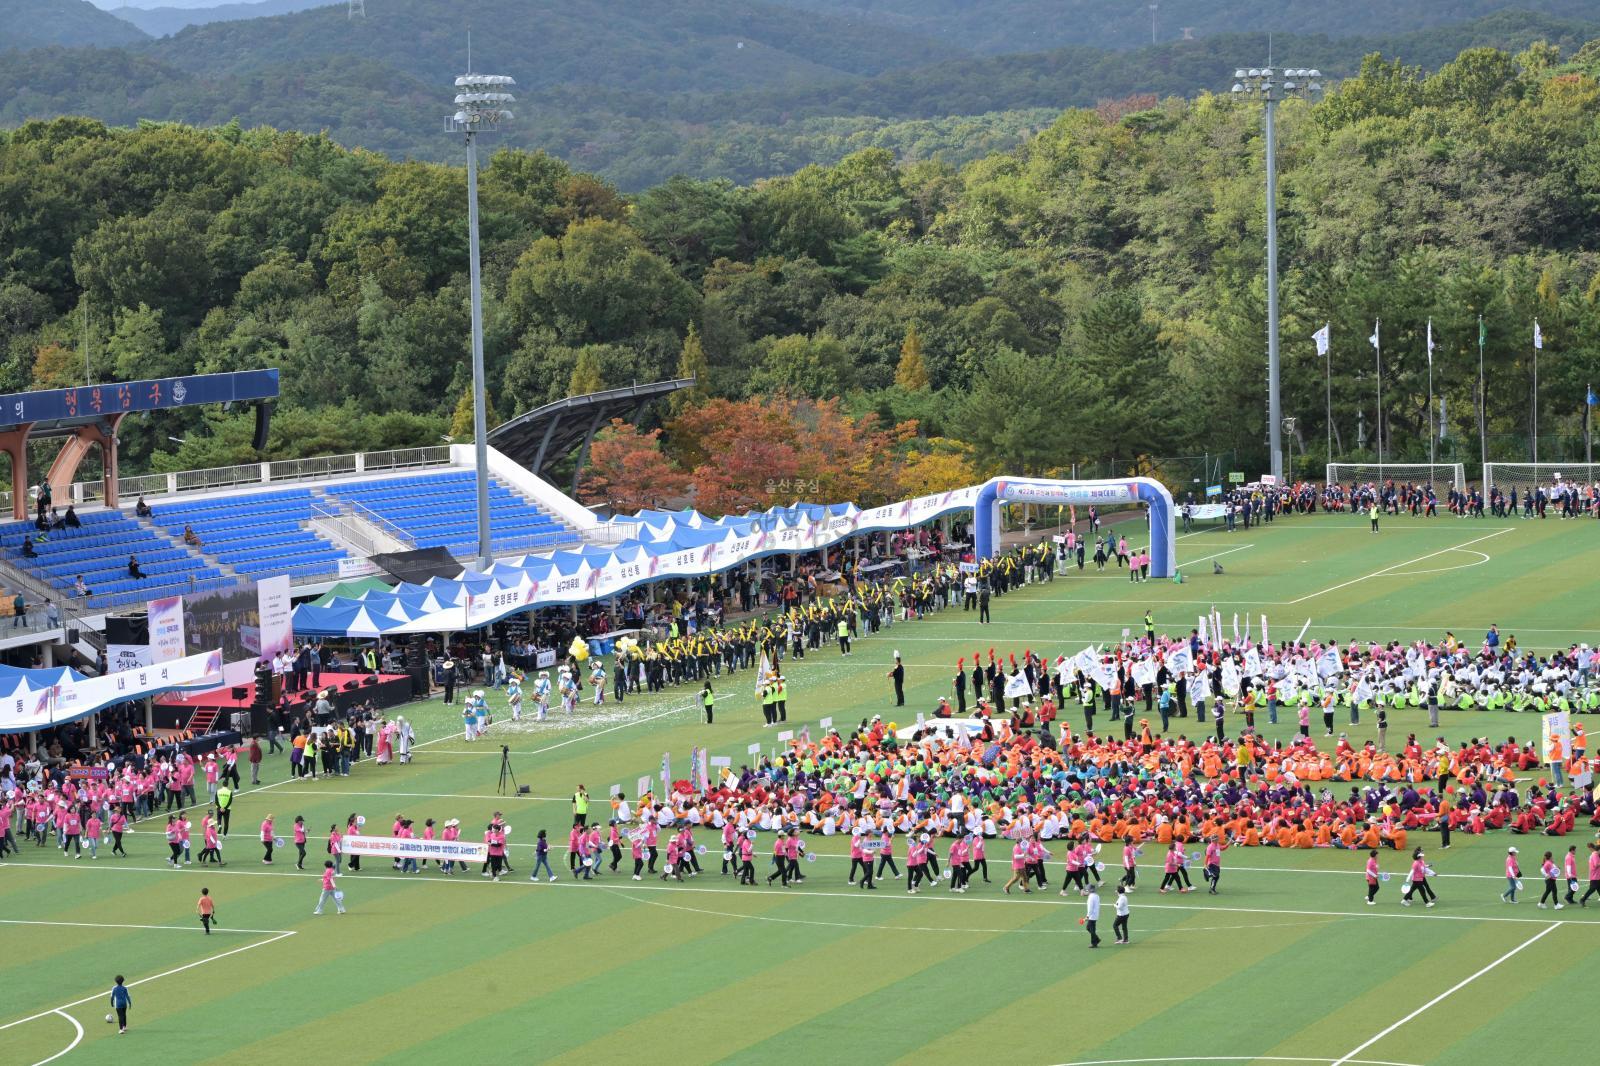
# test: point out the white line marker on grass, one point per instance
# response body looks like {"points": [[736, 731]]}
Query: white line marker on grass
{"points": [[76, 1040], [144, 981], [113, 925], [1397, 566], [166, 871], [1458, 986]]}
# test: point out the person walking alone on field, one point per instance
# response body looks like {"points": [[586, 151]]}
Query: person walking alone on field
{"points": [[121, 1001], [330, 890], [207, 909]]}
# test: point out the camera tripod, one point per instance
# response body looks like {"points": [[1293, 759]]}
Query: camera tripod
{"points": [[506, 773]]}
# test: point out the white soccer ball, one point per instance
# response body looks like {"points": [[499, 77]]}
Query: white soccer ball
{"points": [[108, 1018]]}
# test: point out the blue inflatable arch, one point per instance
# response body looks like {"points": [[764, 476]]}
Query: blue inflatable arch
{"points": [[1153, 494]]}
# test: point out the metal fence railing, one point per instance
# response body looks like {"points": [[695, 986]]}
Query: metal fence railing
{"points": [[244, 474]]}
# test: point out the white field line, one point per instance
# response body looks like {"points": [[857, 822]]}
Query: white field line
{"points": [[76, 1040], [1397, 566], [1458, 986], [146, 980], [114, 925], [820, 894]]}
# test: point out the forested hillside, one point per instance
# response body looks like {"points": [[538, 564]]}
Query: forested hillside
{"points": [[1095, 294], [640, 109]]}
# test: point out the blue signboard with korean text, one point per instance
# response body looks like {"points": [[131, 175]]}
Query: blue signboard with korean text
{"points": [[88, 402]]}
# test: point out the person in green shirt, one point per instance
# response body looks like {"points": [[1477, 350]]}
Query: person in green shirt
{"points": [[707, 700], [580, 806]]}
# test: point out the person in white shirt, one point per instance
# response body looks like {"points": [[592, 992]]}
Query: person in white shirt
{"points": [[1092, 916], [1119, 925]]}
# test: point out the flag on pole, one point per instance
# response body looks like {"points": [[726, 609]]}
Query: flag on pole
{"points": [[1321, 337], [1538, 337], [1373, 340], [1592, 399], [1430, 342], [1483, 332]]}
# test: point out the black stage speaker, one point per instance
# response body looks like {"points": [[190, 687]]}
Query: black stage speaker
{"points": [[263, 424], [239, 692]]}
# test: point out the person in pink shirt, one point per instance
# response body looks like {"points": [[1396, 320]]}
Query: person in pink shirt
{"points": [[780, 861], [1570, 872], [71, 833], [1419, 881], [886, 855], [330, 890], [1130, 864], [730, 844], [1213, 871], [1074, 875], [858, 858], [686, 849], [184, 827], [300, 841], [91, 830], [1170, 865], [614, 842], [1550, 872], [409, 865], [671, 868], [496, 840], [1594, 874], [211, 844], [747, 858], [173, 840], [593, 849], [1513, 876], [266, 840], [1373, 877], [119, 825], [575, 849], [652, 833], [959, 871], [1019, 866], [636, 845], [452, 831]]}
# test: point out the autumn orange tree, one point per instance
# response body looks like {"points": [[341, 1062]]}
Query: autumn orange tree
{"points": [[628, 471], [765, 451]]}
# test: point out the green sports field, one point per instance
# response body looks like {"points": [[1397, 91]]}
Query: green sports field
{"points": [[1286, 964]]}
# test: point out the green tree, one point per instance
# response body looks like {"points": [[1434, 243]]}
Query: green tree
{"points": [[692, 363], [817, 366], [461, 420], [585, 374], [137, 347], [1115, 372], [1016, 415]]}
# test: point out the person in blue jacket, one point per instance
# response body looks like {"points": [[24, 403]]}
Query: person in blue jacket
{"points": [[121, 1000]]}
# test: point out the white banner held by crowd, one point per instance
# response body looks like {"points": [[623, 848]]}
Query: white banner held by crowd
{"points": [[414, 848]]}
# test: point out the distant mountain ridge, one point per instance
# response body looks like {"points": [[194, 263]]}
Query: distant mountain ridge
{"points": [[74, 23], [997, 26], [165, 20]]}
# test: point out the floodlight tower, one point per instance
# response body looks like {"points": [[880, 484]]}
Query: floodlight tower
{"points": [[480, 106], [1270, 86]]}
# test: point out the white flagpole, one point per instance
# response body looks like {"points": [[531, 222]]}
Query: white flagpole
{"points": [[1377, 346], [1432, 436], [1538, 342]]}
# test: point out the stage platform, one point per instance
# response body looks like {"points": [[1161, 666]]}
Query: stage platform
{"points": [[175, 709]]}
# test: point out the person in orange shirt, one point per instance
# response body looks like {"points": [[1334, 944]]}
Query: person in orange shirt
{"points": [[207, 909]]}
